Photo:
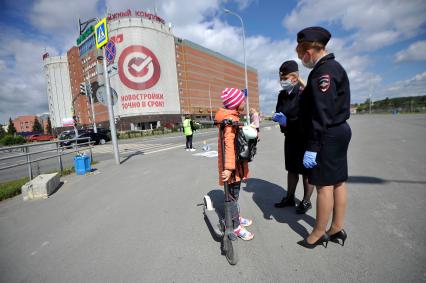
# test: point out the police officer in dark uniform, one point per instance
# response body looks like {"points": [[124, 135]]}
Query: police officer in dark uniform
{"points": [[325, 108], [295, 143]]}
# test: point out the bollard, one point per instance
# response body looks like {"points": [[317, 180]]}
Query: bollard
{"points": [[90, 148], [30, 170], [61, 168]]}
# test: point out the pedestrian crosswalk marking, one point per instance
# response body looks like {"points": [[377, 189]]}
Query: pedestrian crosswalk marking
{"points": [[209, 154], [126, 148]]}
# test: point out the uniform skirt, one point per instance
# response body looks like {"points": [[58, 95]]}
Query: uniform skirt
{"points": [[294, 149], [332, 159]]}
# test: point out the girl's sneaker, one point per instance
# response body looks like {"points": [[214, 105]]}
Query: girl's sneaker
{"points": [[245, 222], [243, 233]]}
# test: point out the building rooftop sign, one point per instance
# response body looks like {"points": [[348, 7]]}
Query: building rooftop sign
{"points": [[128, 13]]}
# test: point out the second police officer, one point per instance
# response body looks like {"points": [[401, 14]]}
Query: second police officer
{"points": [[287, 114]]}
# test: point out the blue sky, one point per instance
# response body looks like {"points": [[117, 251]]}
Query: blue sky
{"points": [[381, 44]]}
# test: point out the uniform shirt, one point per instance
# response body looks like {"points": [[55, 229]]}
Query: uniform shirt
{"points": [[326, 100], [288, 104]]}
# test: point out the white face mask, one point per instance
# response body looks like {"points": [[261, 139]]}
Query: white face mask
{"points": [[310, 64], [286, 84]]}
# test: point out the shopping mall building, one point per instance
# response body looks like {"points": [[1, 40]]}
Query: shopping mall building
{"points": [[157, 77]]}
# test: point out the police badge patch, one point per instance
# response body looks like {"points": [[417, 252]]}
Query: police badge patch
{"points": [[324, 83]]}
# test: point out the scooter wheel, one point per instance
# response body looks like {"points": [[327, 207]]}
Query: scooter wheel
{"points": [[208, 205], [231, 251]]}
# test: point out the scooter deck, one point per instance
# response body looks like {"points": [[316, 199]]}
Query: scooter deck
{"points": [[214, 222]]}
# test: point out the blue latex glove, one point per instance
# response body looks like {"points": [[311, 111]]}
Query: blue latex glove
{"points": [[280, 118], [309, 159]]}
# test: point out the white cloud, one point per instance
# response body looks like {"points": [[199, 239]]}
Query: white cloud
{"points": [[2, 66], [415, 52], [22, 84], [57, 20], [266, 55], [376, 23], [179, 13], [412, 87], [61, 17], [243, 4]]}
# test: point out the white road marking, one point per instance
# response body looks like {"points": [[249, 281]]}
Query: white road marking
{"points": [[209, 154], [164, 149], [126, 148]]}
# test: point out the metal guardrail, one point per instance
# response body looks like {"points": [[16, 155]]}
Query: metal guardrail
{"points": [[60, 151]]}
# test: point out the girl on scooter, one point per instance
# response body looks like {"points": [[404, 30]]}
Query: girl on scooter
{"points": [[234, 171]]}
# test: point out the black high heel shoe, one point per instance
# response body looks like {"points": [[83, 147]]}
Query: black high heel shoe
{"points": [[339, 235], [324, 239]]}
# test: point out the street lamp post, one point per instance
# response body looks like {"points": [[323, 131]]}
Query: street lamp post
{"points": [[369, 99], [210, 101], [245, 62], [110, 111]]}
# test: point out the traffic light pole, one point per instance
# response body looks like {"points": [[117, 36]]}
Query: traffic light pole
{"points": [[89, 91], [110, 111]]}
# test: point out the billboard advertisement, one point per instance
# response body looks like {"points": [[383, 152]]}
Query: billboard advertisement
{"points": [[146, 81]]}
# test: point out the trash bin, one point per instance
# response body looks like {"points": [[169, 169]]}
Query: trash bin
{"points": [[82, 164], [87, 164]]}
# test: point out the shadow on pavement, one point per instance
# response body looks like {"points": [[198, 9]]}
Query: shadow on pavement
{"points": [[265, 194], [131, 155], [375, 180], [218, 197], [57, 188]]}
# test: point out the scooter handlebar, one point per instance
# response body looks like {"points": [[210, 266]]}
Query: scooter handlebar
{"points": [[228, 122]]}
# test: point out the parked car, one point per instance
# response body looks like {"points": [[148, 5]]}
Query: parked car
{"points": [[101, 131], [40, 137], [68, 139]]}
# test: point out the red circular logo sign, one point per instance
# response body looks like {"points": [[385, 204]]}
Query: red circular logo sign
{"points": [[138, 67]]}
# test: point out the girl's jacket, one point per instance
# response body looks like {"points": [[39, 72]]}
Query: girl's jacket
{"points": [[240, 169]]}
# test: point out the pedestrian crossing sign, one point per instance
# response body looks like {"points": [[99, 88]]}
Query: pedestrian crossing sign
{"points": [[101, 33]]}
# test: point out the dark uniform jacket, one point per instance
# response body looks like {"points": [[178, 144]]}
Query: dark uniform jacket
{"points": [[326, 100], [288, 104]]}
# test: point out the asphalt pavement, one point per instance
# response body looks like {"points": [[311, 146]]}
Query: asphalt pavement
{"points": [[140, 221], [127, 147]]}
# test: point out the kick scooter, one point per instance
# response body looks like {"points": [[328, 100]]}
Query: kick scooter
{"points": [[223, 227]]}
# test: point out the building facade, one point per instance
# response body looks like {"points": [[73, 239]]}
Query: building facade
{"points": [[203, 74], [56, 70], [25, 124], [156, 77]]}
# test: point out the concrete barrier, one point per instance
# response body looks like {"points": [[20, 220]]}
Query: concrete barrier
{"points": [[40, 187]]}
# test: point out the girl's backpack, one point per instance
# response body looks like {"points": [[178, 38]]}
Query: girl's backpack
{"points": [[245, 149]]}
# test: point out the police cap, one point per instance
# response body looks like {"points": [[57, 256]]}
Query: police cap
{"points": [[288, 67], [314, 34]]}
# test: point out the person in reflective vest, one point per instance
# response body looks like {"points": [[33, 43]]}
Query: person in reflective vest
{"points": [[188, 127]]}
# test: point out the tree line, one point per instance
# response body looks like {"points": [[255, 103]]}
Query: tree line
{"points": [[10, 137], [408, 104]]}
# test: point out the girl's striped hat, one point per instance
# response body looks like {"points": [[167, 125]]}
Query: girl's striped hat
{"points": [[232, 98]]}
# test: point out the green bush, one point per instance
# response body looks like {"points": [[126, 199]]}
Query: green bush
{"points": [[9, 140], [12, 188], [19, 140]]}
